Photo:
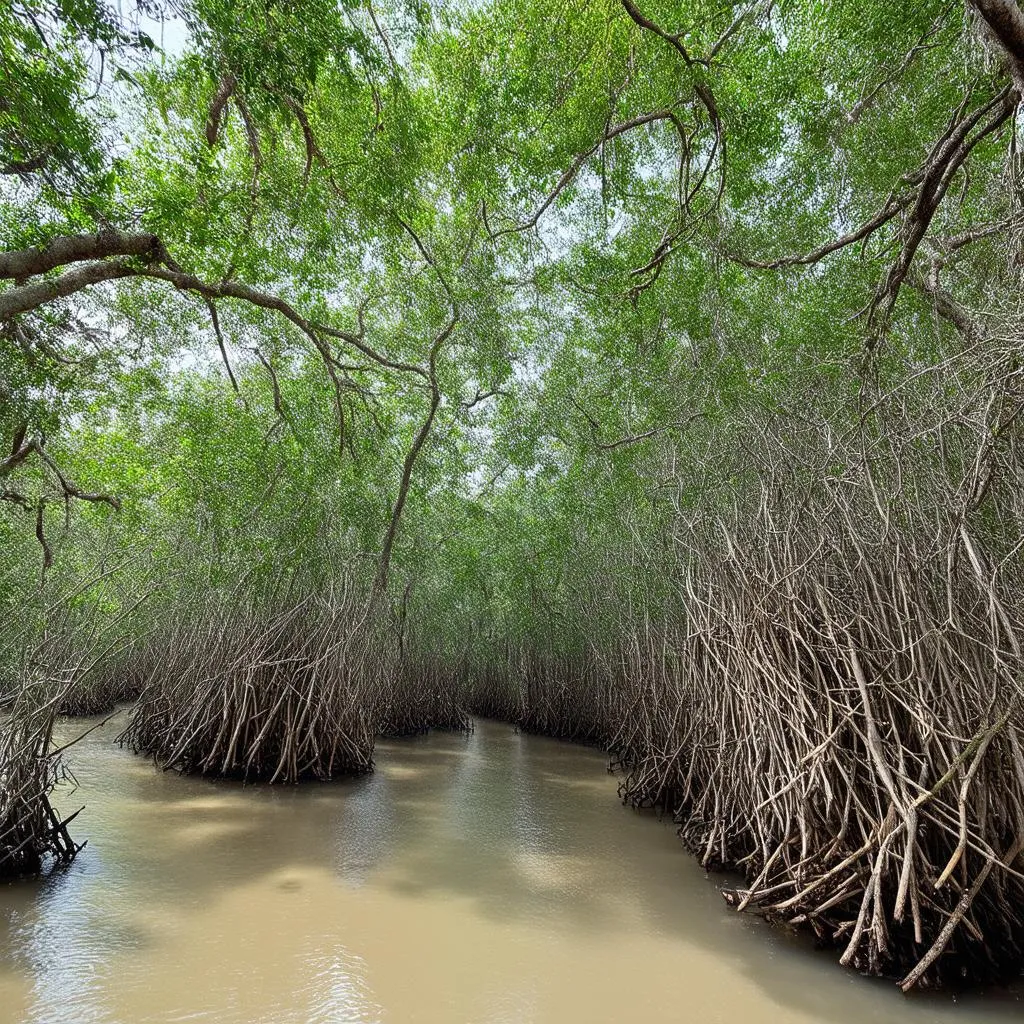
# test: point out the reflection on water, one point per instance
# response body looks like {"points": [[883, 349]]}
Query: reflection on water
{"points": [[491, 878]]}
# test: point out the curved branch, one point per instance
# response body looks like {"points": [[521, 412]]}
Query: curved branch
{"points": [[24, 298], [893, 207], [215, 115], [674, 40], [976, 234], [581, 158], [65, 249], [21, 450], [923, 44], [311, 328], [215, 319], [933, 179], [647, 434], [703, 90], [27, 297], [946, 161], [381, 581], [313, 151]]}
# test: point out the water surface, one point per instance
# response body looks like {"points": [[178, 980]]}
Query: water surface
{"points": [[491, 878]]}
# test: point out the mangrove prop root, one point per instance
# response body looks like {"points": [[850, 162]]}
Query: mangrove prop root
{"points": [[422, 694], [844, 726], [32, 836], [264, 695]]}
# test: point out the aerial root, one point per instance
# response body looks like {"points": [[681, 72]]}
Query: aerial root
{"points": [[276, 696], [846, 730]]}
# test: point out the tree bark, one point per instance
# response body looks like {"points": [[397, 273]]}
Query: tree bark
{"points": [[31, 296], [1005, 21], [65, 249]]}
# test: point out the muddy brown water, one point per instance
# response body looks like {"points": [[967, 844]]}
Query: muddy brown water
{"points": [[492, 878]]}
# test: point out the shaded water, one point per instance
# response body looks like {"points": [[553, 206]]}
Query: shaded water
{"points": [[492, 878]]}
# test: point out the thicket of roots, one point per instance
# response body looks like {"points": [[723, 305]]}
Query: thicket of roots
{"points": [[115, 681], [843, 723], [833, 702], [570, 696], [491, 689], [33, 837], [424, 693], [276, 695]]}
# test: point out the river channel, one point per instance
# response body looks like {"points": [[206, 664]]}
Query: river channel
{"points": [[483, 879]]}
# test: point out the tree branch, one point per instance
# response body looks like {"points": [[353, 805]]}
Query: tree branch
{"points": [[674, 40], [21, 450], [210, 305], [27, 297], [381, 582], [65, 249], [923, 44], [939, 173], [311, 328], [945, 305], [1005, 22], [481, 396], [581, 158], [892, 208], [215, 114]]}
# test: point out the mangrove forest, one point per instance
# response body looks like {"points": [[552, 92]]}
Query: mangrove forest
{"points": [[494, 392]]}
